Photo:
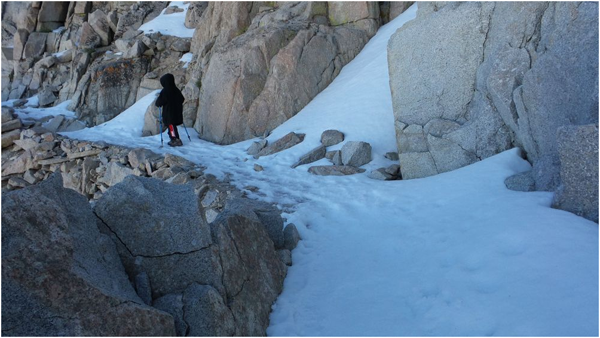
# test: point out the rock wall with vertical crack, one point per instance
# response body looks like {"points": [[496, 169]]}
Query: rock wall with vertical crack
{"points": [[470, 80]]}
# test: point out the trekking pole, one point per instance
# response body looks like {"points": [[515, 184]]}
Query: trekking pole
{"points": [[186, 132], [161, 130]]}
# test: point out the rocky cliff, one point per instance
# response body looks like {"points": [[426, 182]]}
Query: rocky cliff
{"points": [[470, 80], [253, 65], [163, 249]]}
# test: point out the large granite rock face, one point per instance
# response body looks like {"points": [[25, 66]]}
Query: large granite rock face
{"points": [[252, 272], [112, 88], [578, 149], [61, 276], [560, 88], [162, 233], [452, 48], [254, 65], [266, 66], [206, 312], [194, 13], [217, 279], [492, 76], [146, 221]]}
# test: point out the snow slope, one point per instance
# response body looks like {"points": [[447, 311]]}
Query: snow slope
{"points": [[170, 24], [454, 254]]}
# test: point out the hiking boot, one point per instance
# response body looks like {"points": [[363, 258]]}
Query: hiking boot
{"points": [[172, 143], [177, 143]]}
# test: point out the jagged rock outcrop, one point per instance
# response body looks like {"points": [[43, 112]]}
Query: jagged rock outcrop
{"points": [[170, 231], [492, 76], [254, 64], [228, 270], [194, 13], [252, 271], [218, 275], [267, 64], [10, 127], [112, 88], [60, 276], [74, 31]]}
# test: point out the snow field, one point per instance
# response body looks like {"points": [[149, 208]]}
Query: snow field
{"points": [[454, 254]]}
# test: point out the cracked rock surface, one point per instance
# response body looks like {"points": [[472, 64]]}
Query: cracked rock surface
{"points": [[154, 218], [217, 279], [68, 268], [481, 78], [61, 276], [253, 274]]}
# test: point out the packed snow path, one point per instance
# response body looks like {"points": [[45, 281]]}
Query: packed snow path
{"points": [[453, 254]]}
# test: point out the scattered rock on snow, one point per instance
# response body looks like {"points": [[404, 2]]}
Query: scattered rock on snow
{"points": [[256, 147], [173, 9], [46, 97], [312, 156], [521, 182], [291, 237], [356, 153], [393, 170], [334, 170], [380, 174], [331, 137], [393, 156], [53, 124], [283, 143], [337, 158]]}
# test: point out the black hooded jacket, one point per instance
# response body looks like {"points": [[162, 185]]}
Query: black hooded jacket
{"points": [[171, 100]]}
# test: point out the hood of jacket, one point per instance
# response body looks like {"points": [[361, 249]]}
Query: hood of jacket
{"points": [[167, 81]]}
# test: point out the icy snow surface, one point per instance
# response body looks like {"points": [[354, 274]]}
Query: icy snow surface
{"points": [[170, 24], [32, 113], [454, 254], [187, 58], [33, 101]]}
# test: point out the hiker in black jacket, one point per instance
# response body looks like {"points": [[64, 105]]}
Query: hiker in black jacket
{"points": [[171, 100]]}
